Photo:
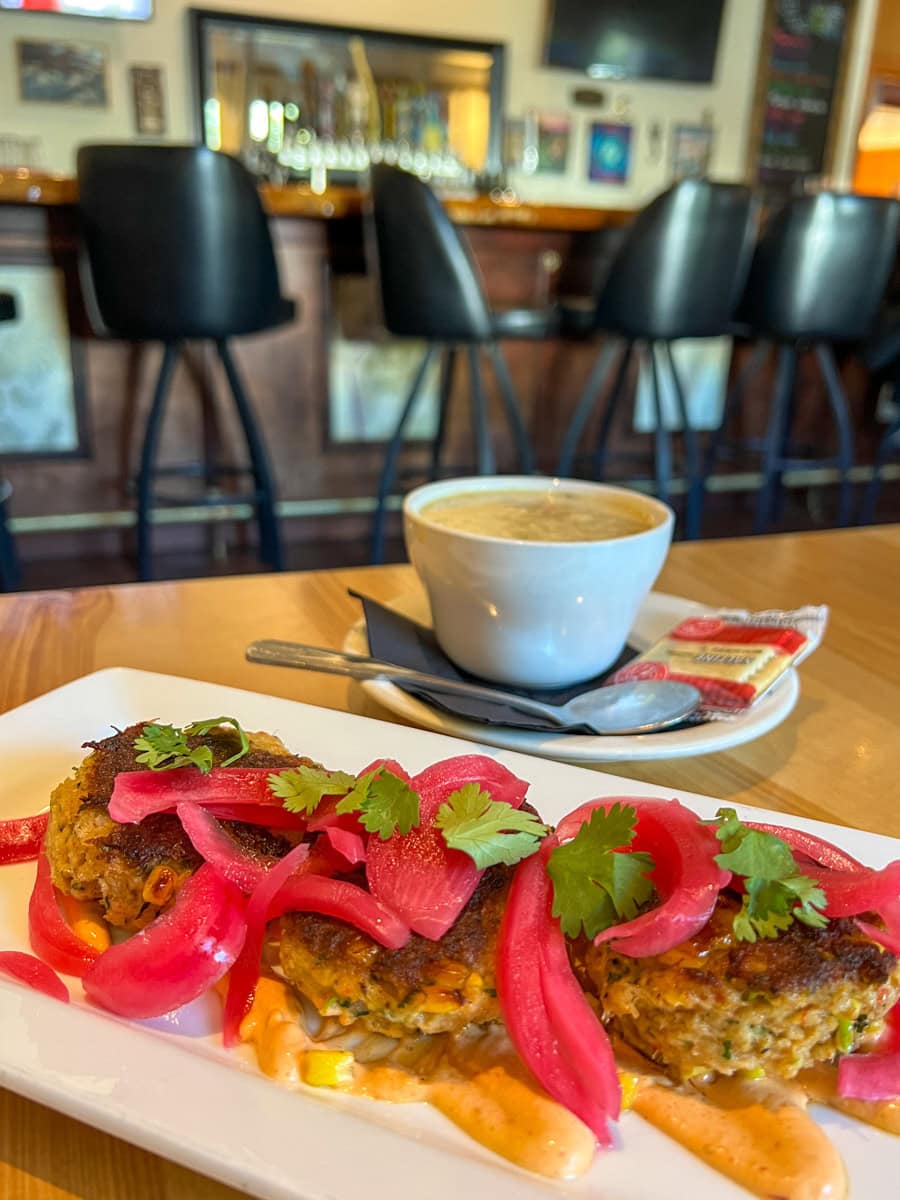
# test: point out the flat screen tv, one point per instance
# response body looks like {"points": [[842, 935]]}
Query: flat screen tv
{"points": [[121, 10], [635, 39]]}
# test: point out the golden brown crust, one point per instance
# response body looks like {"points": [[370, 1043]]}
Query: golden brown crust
{"points": [[433, 987], [135, 870], [717, 1004]]}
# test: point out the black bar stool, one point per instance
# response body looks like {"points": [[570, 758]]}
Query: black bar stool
{"points": [[431, 289], [179, 248], [10, 573], [817, 279], [884, 356], [678, 274]]}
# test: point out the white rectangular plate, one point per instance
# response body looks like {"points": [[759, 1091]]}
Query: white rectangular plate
{"points": [[170, 1087]]}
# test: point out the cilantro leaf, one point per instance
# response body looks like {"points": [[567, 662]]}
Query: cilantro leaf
{"points": [[302, 788], [776, 891], [386, 803], [202, 728], [595, 886], [163, 747], [489, 831]]}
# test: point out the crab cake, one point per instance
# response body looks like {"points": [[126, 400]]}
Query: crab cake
{"points": [[425, 987], [135, 870], [718, 1004]]}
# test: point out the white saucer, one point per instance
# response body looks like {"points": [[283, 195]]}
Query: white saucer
{"points": [[658, 613]]}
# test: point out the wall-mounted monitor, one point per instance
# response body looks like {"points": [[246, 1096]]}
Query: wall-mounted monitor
{"points": [[120, 10], [635, 39]]}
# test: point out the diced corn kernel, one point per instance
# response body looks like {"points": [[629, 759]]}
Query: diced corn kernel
{"points": [[85, 922], [629, 1084], [160, 885], [451, 974], [752, 1073], [437, 1001], [328, 1068]]}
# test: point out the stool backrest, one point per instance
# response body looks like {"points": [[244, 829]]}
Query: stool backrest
{"points": [[682, 266], [821, 268], [430, 286], [177, 243]]}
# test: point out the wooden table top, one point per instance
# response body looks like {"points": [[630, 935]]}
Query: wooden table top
{"points": [[836, 758]]}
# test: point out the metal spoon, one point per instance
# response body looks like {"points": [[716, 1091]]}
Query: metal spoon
{"points": [[642, 706]]}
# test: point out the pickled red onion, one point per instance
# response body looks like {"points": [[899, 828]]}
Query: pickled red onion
{"points": [[869, 1076], [552, 1026], [183, 953], [137, 794], [214, 844], [21, 838], [242, 980], [417, 875], [51, 938], [33, 973], [686, 875]]}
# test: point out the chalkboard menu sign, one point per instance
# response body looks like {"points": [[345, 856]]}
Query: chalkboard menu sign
{"points": [[800, 78]]}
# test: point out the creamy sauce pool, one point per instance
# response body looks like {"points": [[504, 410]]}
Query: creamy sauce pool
{"points": [[756, 1133], [542, 516]]}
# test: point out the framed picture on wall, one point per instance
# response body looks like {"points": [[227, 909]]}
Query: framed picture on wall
{"points": [[553, 134], [609, 157], [691, 151], [147, 100], [63, 73]]}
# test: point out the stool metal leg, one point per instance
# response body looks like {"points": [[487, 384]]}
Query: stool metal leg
{"points": [[484, 451], [10, 574], [662, 437], [694, 507], [150, 445], [749, 370], [886, 449], [585, 404], [389, 470], [448, 367], [776, 437], [837, 398], [598, 462], [269, 533], [513, 412]]}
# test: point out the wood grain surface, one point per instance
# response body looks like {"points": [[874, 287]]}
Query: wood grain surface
{"points": [[836, 758]]}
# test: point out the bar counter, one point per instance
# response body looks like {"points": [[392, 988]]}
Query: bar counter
{"points": [[80, 503], [298, 200], [78, 499]]}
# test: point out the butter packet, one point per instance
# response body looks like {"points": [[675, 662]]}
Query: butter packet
{"points": [[733, 656]]}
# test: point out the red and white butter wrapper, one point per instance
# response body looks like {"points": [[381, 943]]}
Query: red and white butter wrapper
{"points": [[732, 657]]}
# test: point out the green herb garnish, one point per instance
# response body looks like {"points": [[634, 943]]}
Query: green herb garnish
{"points": [[595, 887], [777, 892], [163, 747], [386, 804], [489, 831], [301, 789]]}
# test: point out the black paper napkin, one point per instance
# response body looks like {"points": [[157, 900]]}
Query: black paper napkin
{"points": [[396, 639]]}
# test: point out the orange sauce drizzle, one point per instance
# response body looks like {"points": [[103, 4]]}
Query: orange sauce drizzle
{"points": [[755, 1133]]}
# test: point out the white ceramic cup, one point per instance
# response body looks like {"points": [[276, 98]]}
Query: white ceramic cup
{"points": [[528, 613]]}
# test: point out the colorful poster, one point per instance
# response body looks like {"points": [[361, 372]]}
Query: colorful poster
{"points": [[691, 151], [609, 152], [553, 135]]}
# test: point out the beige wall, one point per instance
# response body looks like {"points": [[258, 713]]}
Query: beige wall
{"points": [[519, 23]]}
